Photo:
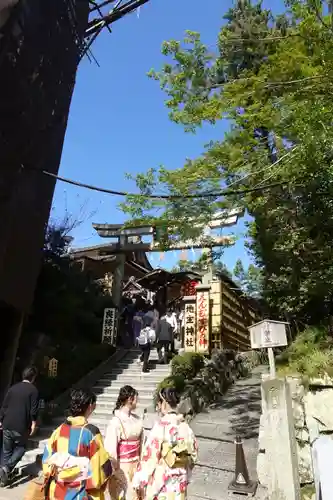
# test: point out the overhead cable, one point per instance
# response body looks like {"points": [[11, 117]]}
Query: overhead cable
{"points": [[225, 192]]}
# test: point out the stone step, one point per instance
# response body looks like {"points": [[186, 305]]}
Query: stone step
{"points": [[153, 358], [145, 385], [137, 371], [129, 378], [110, 392], [113, 394], [106, 410], [108, 406], [30, 457]]}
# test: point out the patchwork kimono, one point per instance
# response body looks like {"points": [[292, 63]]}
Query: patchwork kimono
{"points": [[76, 457], [123, 442], [167, 460]]}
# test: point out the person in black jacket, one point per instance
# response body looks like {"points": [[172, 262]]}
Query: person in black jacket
{"points": [[18, 417]]}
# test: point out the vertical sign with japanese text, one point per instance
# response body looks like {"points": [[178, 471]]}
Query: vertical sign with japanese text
{"points": [[203, 320], [109, 335], [190, 325]]}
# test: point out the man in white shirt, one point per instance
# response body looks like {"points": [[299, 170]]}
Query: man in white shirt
{"points": [[172, 320]]}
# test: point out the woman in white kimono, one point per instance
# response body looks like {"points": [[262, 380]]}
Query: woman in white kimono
{"points": [[169, 454], [123, 442]]}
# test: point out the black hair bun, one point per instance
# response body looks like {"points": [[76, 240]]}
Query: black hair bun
{"points": [[171, 396], [80, 400]]}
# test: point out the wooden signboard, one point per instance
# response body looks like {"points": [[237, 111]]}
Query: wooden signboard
{"points": [[267, 334], [190, 324], [109, 335]]}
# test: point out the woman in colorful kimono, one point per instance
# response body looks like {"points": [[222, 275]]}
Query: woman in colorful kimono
{"points": [[75, 462], [123, 442], [168, 455]]}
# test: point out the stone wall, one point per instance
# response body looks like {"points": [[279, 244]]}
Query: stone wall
{"points": [[312, 412]]}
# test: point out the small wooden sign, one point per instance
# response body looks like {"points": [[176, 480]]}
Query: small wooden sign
{"points": [[268, 333]]}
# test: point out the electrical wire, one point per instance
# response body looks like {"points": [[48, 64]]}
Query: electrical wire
{"points": [[226, 192], [169, 197]]}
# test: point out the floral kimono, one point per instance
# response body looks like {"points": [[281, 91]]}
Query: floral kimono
{"points": [[76, 460], [123, 442], [168, 457]]}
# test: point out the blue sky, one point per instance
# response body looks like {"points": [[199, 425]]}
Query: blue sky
{"points": [[118, 122]]}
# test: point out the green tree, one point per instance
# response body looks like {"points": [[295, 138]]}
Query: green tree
{"points": [[271, 78], [67, 310], [250, 280], [201, 265]]}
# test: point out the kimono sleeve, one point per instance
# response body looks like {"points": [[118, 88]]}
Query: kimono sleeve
{"points": [[100, 463], [112, 438], [150, 457], [49, 450]]}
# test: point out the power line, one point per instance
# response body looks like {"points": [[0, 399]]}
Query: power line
{"points": [[264, 39], [226, 192], [265, 83]]}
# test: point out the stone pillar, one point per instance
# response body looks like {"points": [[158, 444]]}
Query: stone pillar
{"points": [[281, 447], [203, 319], [216, 314]]}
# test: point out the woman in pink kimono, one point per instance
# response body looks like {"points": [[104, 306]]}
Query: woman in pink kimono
{"points": [[123, 442], [168, 455]]}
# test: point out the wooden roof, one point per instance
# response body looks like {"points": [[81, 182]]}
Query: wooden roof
{"points": [[136, 259]]}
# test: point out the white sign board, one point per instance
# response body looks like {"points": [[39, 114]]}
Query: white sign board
{"points": [[268, 334], [109, 334]]}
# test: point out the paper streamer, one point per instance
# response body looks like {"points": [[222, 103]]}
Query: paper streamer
{"points": [[183, 255]]}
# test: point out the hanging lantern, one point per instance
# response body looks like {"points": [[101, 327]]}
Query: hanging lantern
{"points": [[53, 368]]}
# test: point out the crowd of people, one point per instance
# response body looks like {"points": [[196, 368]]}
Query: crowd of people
{"points": [[144, 326], [78, 464]]}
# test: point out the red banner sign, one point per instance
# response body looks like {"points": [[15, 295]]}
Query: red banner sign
{"points": [[203, 321]]}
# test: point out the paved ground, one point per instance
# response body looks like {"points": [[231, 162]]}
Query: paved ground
{"points": [[237, 414], [216, 429]]}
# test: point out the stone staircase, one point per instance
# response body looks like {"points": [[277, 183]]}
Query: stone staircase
{"points": [[126, 372]]}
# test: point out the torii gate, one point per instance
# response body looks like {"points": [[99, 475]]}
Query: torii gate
{"points": [[129, 239]]}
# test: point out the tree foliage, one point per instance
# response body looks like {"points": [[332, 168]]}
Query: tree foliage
{"points": [[68, 305], [201, 265], [271, 78], [249, 280]]}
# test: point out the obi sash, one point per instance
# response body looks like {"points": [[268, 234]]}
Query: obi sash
{"points": [[129, 450]]}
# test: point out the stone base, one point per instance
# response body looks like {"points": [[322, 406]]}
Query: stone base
{"points": [[243, 489]]}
